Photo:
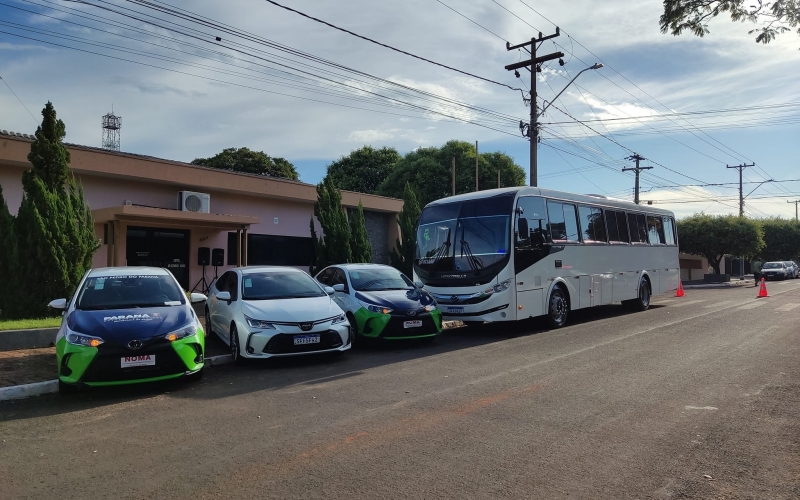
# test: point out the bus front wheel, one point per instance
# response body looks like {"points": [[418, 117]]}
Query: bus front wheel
{"points": [[641, 303], [558, 308]]}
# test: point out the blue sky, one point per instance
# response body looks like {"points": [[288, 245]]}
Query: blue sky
{"points": [[194, 111]]}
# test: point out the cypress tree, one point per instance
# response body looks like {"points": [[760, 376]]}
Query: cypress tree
{"points": [[319, 259], [7, 256], [54, 231], [359, 239], [333, 220], [402, 257]]}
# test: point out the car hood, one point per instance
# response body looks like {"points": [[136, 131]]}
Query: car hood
{"points": [[291, 310], [123, 325], [397, 299]]}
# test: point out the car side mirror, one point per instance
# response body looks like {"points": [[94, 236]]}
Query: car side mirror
{"points": [[338, 288], [419, 284], [330, 291], [523, 233], [195, 298], [60, 304], [226, 296]]}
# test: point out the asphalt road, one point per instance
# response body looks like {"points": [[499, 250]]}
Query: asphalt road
{"points": [[697, 398]]}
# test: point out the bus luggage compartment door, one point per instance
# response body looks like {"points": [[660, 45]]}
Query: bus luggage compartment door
{"points": [[530, 303]]}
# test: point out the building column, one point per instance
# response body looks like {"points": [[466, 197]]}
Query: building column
{"points": [[244, 247]]}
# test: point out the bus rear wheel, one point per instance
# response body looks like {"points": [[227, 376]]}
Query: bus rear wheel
{"points": [[558, 308], [642, 302]]}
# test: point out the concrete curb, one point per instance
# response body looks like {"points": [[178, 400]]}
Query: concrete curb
{"points": [[13, 340], [51, 386], [27, 390]]}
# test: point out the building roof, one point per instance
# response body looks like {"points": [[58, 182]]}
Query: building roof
{"points": [[88, 160]]}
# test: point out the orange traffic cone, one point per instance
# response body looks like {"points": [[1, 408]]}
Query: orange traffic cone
{"points": [[679, 291], [762, 292]]}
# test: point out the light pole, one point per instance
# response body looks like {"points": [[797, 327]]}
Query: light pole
{"points": [[741, 213], [547, 104]]}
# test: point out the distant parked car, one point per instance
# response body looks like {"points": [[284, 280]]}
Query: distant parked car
{"points": [[261, 312], [380, 301], [127, 325], [775, 270], [794, 271]]}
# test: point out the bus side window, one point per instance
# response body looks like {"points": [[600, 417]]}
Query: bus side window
{"points": [[534, 211], [623, 227], [593, 226], [655, 230], [642, 223], [669, 230], [633, 228]]}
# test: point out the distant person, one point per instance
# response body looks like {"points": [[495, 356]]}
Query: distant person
{"points": [[756, 267]]}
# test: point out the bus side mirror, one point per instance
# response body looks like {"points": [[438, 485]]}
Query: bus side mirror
{"points": [[522, 229]]}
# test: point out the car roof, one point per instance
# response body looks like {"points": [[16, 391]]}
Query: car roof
{"points": [[266, 269], [352, 267], [128, 271], [775, 262]]}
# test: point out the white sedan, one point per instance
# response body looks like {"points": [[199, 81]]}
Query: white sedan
{"points": [[261, 312]]}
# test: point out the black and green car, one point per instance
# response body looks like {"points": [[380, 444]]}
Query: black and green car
{"points": [[128, 325], [381, 302]]}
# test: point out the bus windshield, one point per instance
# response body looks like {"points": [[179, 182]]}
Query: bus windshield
{"points": [[464, 236]]}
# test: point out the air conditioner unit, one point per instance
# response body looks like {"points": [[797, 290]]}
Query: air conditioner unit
{"points": [[189, 201]]}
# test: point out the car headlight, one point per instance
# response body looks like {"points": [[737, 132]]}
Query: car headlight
{"points": [[430, 308], [257, 323], [182, 333], [505, 285], [375, 308], [80, 339], [340, 319]]}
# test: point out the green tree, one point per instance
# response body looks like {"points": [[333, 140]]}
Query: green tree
{"points": [[715, 236], [359, 239], [364, 169], [781, 239], [334, 245], [429, 171], [7, 253], [53, 231], [402, 257], [775, 17], [246, 161]]}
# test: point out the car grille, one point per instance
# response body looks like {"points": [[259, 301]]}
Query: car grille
{"points": [[395, 326], [283, 343], [106, 365]]}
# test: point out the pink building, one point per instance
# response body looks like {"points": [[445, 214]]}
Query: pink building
{"points": [[151, 211]]}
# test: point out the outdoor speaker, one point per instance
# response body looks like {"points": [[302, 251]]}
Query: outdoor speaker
{"points": [[203, 256], [218, 257]]}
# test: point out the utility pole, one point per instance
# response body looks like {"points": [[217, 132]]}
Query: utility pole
{"points": [[498, 180], [454, 176], [476, 166], [535, 67], [638, 169], [795, 207], [741, 194]]}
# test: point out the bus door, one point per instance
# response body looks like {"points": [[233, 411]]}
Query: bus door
{"points": [[530, 240]]}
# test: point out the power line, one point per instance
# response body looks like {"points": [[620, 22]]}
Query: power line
{"points": [[20, 100], [472, 21], [390, 47]]}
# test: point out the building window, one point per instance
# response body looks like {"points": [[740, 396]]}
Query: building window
{"points": [[272, 250]]}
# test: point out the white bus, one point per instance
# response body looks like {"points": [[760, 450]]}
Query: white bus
{"points": [[515, 253]]}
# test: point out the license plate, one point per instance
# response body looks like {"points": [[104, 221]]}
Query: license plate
{"points": [[455, 310], [412, 324], [306, 339], [143, 360]]}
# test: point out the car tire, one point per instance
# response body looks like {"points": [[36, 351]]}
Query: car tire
{"points": [[207, 320], [353, 330], [196, 376], [557, 308], [67, 389], [236, 349]]}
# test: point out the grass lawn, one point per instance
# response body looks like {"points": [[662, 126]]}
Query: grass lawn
{"points": [[23, 324]]}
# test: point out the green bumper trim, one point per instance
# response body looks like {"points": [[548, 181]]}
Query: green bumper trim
{"points": [[137, 381], [378, 322]]}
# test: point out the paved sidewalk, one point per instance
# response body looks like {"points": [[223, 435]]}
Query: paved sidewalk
{"points": [[27, 366]]}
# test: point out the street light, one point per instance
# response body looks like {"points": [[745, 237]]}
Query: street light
{"points": [[547, 104]]}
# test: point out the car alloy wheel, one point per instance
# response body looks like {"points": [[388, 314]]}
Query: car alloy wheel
{"points": [[209, 330], [236, 353]]}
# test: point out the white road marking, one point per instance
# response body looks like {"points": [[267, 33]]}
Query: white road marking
{"points": [[752, 305], [711, 408], [719, 304], [787, 307], [681, 304]]}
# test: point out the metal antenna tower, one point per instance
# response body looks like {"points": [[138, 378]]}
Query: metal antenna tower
{"points": [[111, 125]]}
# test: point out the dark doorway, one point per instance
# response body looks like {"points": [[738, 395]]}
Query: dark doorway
{"points": [[152, 246]]}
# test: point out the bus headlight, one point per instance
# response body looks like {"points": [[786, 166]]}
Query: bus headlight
{"points": [[505, 285]]}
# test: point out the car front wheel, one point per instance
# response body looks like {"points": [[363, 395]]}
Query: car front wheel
{"points": [[236, 352]]}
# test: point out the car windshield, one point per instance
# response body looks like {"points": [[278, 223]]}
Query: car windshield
{"points": [[463, 236], [128, 292], [279, 285], [773, 265], [379, 279]]}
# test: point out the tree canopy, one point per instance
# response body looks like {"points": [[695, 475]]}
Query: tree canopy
{"points": [[364, 169], [713, 237], [246, 161], [775, 17], [428, 172], [781, 239], [402, 255]]}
